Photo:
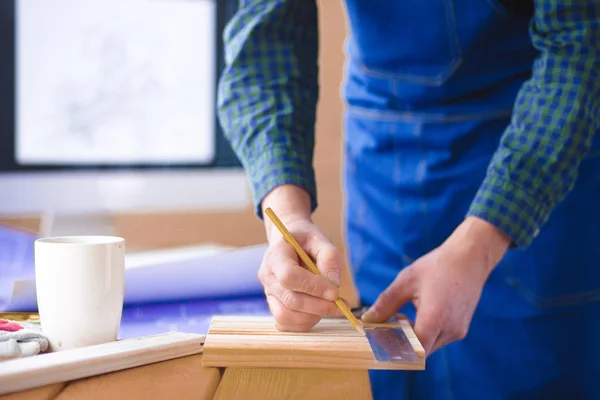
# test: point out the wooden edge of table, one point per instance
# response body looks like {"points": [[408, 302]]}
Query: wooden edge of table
{"points": [[207, 383], [50, 368]]}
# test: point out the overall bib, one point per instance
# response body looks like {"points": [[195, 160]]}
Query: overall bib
{"points": [[430, 88]]}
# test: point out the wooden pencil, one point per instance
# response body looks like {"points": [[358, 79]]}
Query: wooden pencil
{"points": [[313, 268]]}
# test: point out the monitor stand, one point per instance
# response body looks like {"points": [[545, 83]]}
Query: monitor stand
{"points": [[97, 224]]}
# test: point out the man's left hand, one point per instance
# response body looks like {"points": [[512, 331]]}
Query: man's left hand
{"points": [[445, 285]]}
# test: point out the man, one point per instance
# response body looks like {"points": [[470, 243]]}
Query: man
{"points": [[472, 182]]}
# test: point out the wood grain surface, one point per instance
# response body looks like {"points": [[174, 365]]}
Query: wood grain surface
{"points": [[293, 384], [178, 379], [253, 341]]}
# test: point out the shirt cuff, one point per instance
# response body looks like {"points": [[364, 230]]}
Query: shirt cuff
{"points": [[510, 208], [279, 166]]}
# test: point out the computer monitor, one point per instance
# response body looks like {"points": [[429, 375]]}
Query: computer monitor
{"points": [[108, 106]]}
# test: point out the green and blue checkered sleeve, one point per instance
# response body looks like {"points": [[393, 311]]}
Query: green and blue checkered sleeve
{"points": [[268, 92], [556, 115]]}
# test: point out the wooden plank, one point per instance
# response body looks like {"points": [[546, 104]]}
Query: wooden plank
{"points": [[42, 393], [45, 369], [293, 384], [181, 378], [253, 341]]}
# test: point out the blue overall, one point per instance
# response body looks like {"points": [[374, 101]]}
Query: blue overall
{"points": [[430, 86]]}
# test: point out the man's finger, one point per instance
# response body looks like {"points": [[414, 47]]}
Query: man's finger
{"points": [[297, 301], [440, 342], [288, 320], [292, 276], [428, 326], [328, 259], [450, 334], [392, 298]]}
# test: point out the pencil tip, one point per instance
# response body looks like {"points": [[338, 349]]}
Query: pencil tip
{"points": [[361, 330]]}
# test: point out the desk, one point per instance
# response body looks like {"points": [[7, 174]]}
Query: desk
{"points": [[184, 378]]}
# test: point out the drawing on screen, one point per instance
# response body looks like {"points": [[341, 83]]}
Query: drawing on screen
{"points": [[115, 82], [122, 90]]}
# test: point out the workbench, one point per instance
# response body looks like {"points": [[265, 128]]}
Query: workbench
{"points": [[185, 378]]}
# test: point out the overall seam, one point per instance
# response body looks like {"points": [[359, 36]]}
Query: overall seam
{"points": [[546, 303], [415, 117]]}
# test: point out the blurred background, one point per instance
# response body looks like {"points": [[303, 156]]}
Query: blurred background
{"points": [[108, 126]]}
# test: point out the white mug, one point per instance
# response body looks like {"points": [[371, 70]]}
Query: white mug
{"points": [[80, 287]]}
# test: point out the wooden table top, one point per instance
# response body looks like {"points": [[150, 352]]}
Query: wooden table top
{"points": [[185, 378], [180, 378]]}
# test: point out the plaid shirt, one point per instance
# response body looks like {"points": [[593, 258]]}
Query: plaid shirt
{"points": [[269, 89]]}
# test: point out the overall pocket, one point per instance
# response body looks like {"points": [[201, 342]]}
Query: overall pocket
{"points": [[414, 41], [561, 268]]}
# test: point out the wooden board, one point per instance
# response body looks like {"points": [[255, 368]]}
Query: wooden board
{"points": [[178, 379], [253, 341], [45, 369], [293, 384]]}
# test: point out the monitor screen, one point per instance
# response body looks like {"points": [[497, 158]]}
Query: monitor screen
{"points": [[110, 84]]}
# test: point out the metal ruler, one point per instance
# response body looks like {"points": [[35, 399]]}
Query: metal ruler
{"points": [[391, 345]]}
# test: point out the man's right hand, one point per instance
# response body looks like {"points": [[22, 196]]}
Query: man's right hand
{"points": [[297, 298]]}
